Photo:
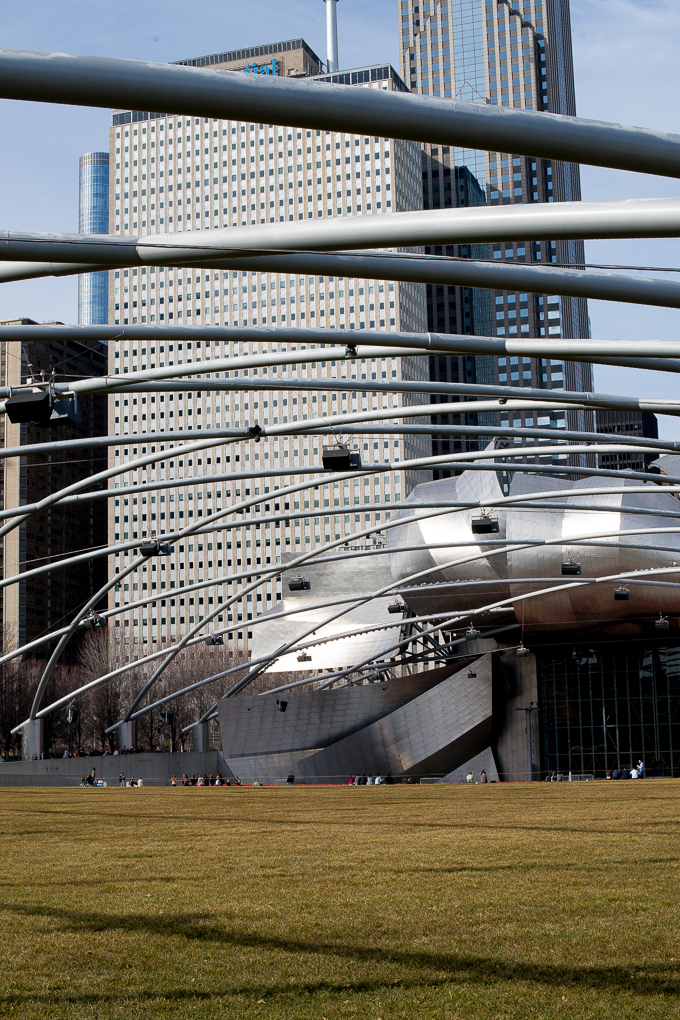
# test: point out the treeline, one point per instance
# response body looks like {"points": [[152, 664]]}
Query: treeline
{"points": [[102, 652]]}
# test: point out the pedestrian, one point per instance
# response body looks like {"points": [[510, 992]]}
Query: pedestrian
{"points": [[121, 779], [641, 768], [291, 779], [482, 777]]}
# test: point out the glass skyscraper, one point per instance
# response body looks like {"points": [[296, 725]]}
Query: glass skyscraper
{"points": [[93, 218], [514, 53]]}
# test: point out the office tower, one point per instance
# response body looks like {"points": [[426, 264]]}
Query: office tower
{"points": [[48, 601], [93, 218], [180, 173], [640, 424], [516, 53], [292, 58]]}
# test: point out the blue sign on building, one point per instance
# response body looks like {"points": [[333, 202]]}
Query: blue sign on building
{"points": [[261, 68]]}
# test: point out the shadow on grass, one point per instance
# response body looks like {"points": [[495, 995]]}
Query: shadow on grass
{"points": [[654, 979]]}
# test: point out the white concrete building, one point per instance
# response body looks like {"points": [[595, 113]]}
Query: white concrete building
{"points": [[179, 173]]}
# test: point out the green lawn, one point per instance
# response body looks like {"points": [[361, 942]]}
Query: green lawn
{"points": [[382, 902]]}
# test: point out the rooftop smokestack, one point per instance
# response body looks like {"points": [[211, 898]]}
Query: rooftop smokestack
{"points": [[332, 35]]}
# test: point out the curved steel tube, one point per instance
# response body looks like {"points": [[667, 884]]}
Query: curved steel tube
{"points": [[646, 217], [107, 82], [297, 561], [410, 268]]}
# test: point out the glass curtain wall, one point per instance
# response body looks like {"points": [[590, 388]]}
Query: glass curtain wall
{"points": [[93, 218], [514, 53], [604, 709]]}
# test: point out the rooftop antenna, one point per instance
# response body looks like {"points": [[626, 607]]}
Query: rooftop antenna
{"points": [[332, 35]]}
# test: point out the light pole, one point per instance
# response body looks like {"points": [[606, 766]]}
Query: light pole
{"points": [[332, 35], [71, 716]]}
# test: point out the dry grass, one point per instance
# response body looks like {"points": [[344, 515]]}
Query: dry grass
{"points": [[392, 902]]}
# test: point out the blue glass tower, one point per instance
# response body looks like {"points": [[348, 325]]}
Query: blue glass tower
{"points": [[93, 218]]}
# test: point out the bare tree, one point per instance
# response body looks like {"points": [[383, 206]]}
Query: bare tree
{"points": [[101, 652]]}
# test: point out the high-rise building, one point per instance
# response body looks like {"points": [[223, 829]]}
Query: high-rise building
{"points": [[48, 601], [516, 53], [292, 58], [176, 173], [93, 218], [640, 424]]}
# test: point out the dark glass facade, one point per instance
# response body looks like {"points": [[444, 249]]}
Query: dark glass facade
{"points": [[610, 706], [514, 53], [640, 424], [46, 601]]}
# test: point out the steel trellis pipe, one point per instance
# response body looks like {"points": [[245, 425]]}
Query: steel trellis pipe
{"points": [[419, 269], [204, 443], [509, 431], [300, 645], [378, 527], [26, 511], [617, 352], [316, 512], [306, 556], [231, 578], [133, 84], [470, 463], [466, 614], [644, 217], [92, 602]]}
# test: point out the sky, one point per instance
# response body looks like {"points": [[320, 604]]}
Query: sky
{"points": [[625, 58]]}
